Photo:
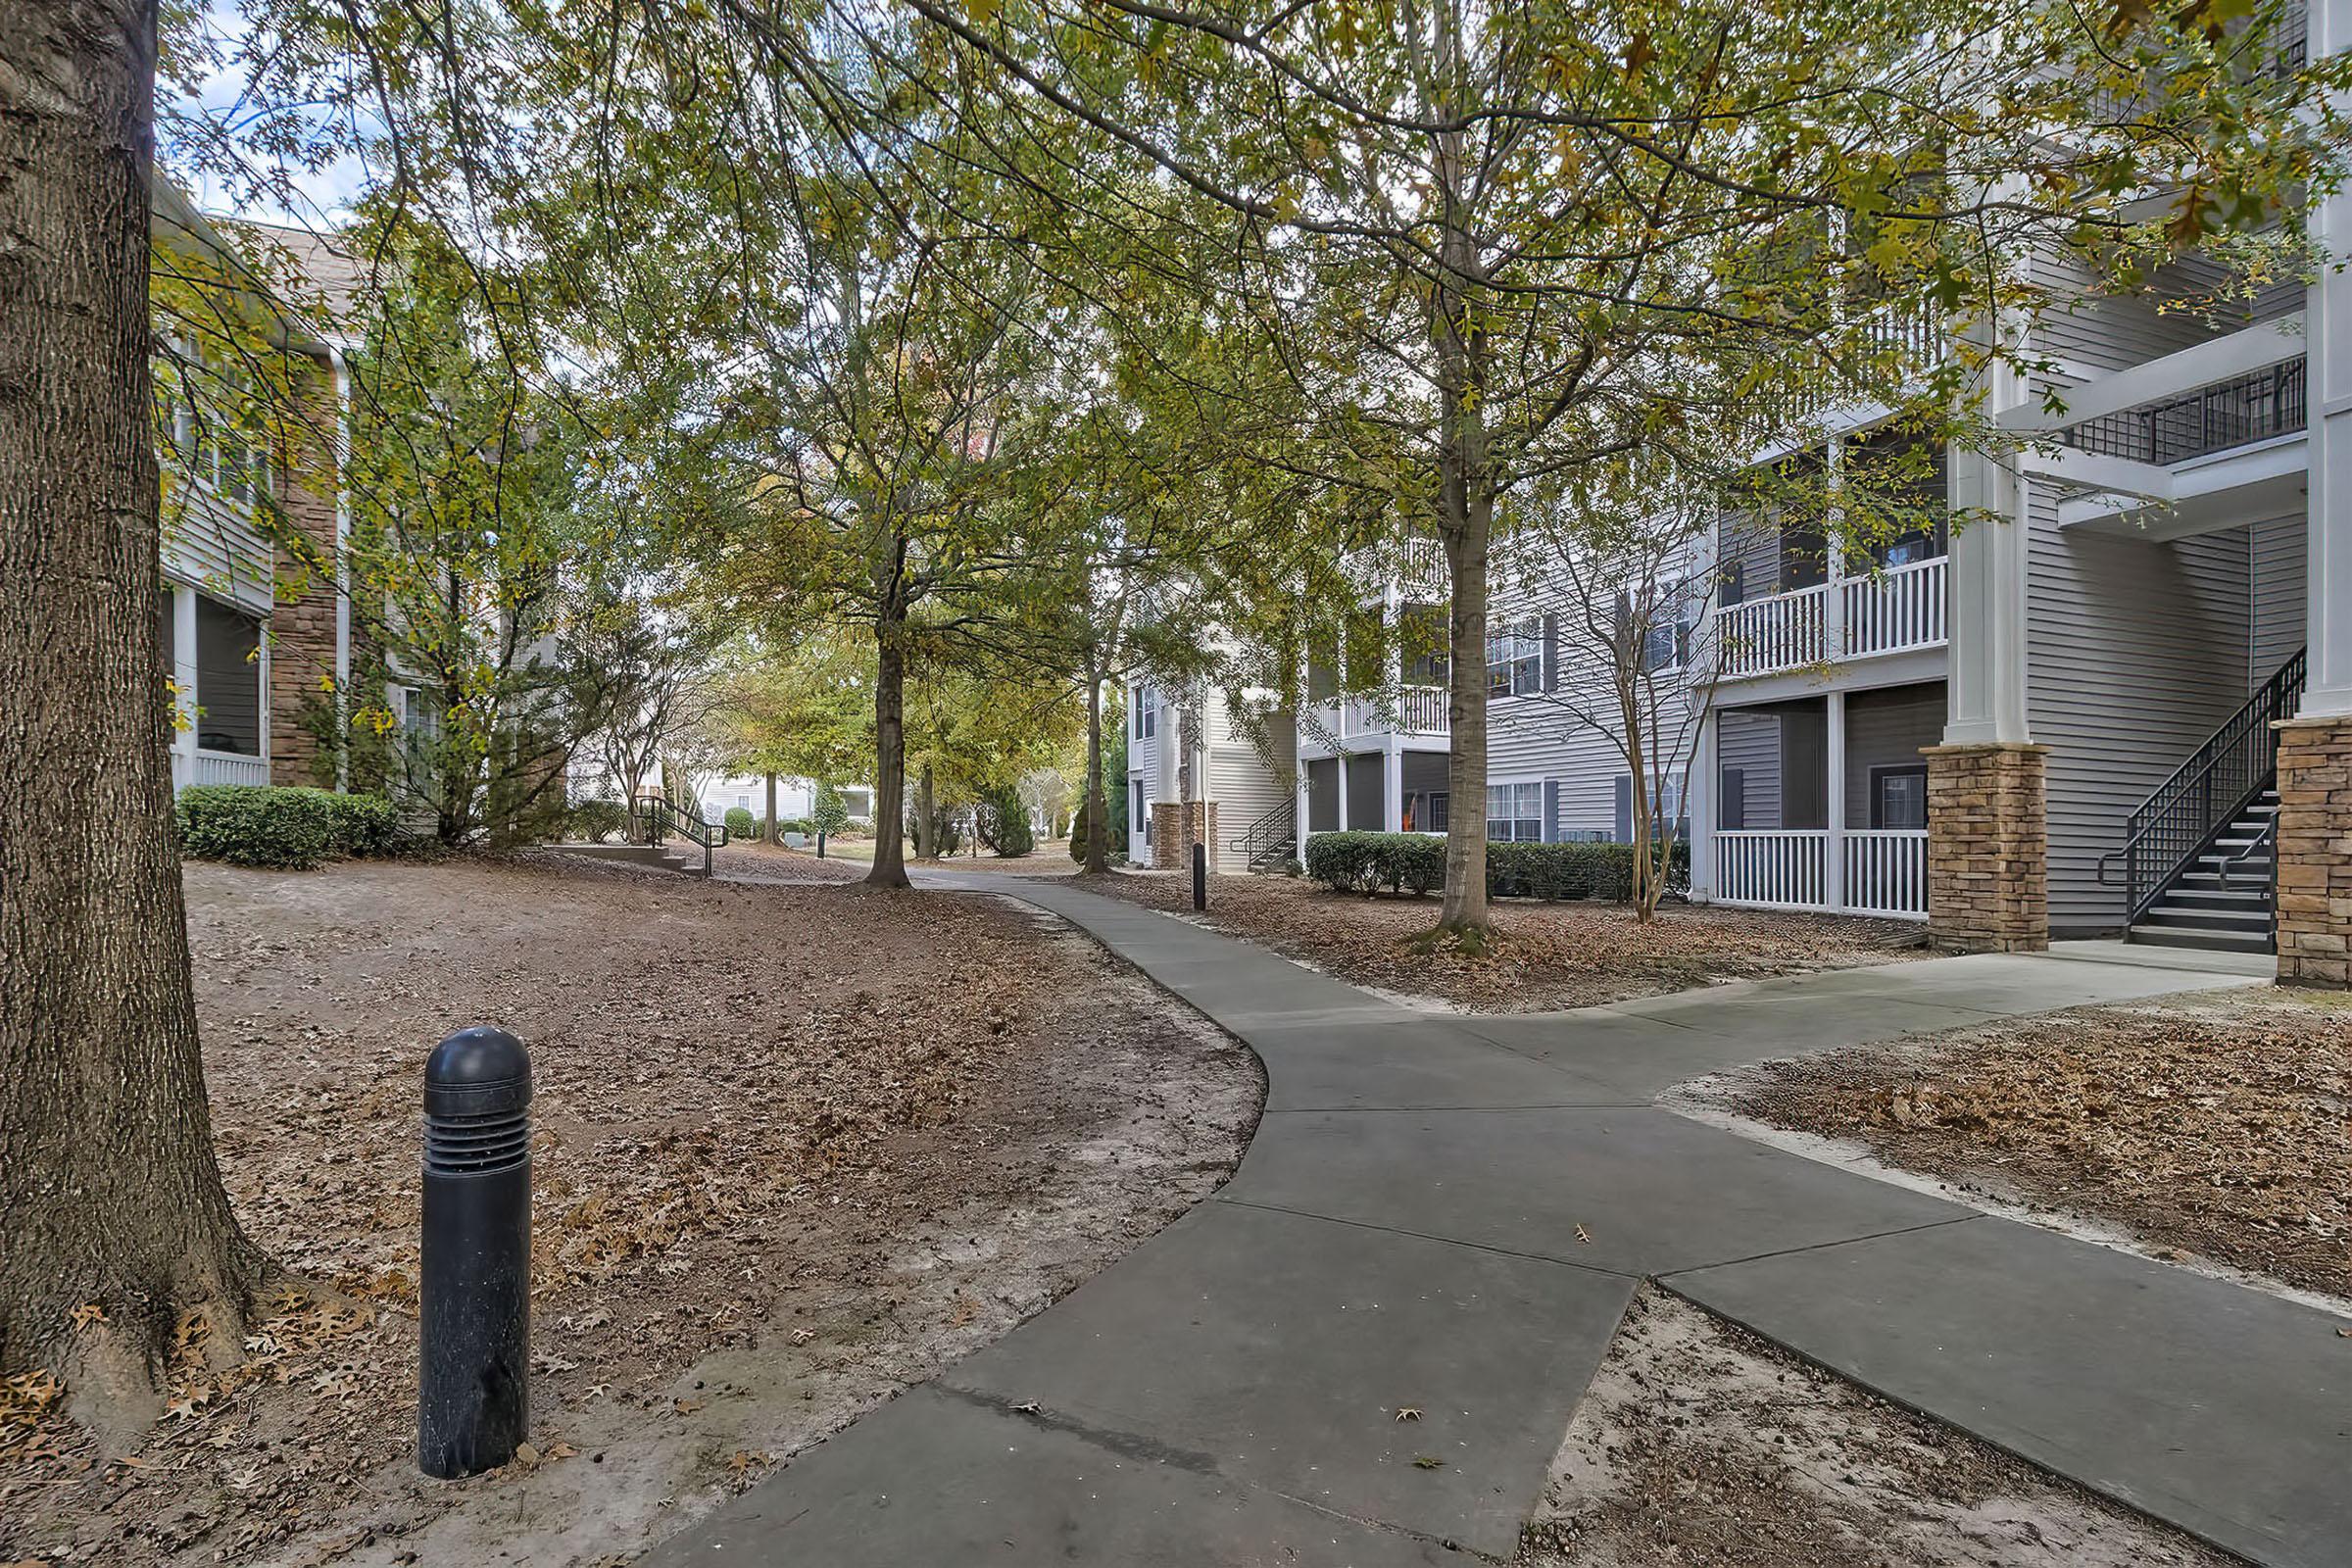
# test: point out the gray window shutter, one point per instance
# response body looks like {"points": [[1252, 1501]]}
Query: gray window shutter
{"points": [[1551, 811], [1551, 653], [1625, 808]]}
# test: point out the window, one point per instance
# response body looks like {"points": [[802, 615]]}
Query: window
{"points": [[1146, 714], [1514, 660], [1422, 630], [1424, 810], [210, 427], [1515, 812], [1898, 795]]}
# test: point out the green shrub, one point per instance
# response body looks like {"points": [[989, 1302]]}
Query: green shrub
{"points": [[1415, 863], [290, 828], [741, 823], [595, 819], [1371, 863], [1078, 833], [1002, 823], [794, 824], [364, 824]]}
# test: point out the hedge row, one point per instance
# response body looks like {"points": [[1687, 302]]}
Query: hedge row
{"points": [[1415, 863], [287, 827]]}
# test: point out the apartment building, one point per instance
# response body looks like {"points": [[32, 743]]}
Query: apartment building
{"points": [[249, 651]]}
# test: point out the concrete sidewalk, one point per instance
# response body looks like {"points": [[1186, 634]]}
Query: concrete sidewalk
{"points": [[1452, 1213]]}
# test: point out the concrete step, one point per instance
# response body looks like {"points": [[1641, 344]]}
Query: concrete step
{"points": [[2168, 936], [2209, 919], [660, 857]]}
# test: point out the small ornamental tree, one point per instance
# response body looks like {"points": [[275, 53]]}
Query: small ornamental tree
{"points": [[829, 815]]}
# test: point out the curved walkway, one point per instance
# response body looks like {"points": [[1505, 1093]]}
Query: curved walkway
{"points": [[1451, 1213]]}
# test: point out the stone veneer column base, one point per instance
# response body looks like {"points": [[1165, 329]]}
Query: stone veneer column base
{"points": [[1988, 847], [1168, 839], [2314, 852]]}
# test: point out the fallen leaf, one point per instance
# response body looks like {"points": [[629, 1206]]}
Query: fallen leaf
{"points": [[1426, 1462], [1583, 1235], [1408, 1412]]}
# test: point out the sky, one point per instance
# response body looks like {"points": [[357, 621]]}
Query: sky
{"points": [[314, 200]]}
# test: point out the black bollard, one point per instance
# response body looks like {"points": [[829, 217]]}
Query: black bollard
{"points": [[1200, 875], [474, 1320], [820, 844]]}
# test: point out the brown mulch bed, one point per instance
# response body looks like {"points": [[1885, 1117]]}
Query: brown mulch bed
{"points": [[1701, 1446], [2214, 1124], [794, 1148], [1544, 957]]}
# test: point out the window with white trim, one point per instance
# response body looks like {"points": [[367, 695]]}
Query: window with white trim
{"points": [[1146, 714], [1514, 659], [1515, 812]]}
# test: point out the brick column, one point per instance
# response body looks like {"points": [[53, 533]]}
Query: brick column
{"points": [[1168, 852], [1988, 848], [2314, 852], [301, 625]]}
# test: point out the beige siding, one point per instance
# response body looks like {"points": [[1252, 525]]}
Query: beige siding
{"points": [[1245, 783]]}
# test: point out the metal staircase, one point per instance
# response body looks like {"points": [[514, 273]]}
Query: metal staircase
{"points": [[2201, 870], [663, 818], [1271, 841]]}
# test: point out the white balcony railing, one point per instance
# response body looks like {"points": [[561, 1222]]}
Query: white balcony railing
{"points": [[1781, 631], [1850, 618], [1898, 609], [1773, 870], [203, 766], [1884, 870]]}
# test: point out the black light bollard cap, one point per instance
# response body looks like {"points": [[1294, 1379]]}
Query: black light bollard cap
{"points": [[477, 1072]]}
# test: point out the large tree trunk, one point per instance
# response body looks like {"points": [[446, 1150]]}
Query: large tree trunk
{"points": [[116, 1220], [926, 818], [1098, 806], [774, 835], [890, 763]]}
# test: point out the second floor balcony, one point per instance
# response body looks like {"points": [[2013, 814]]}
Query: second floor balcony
{"points": [[1898, 609]]}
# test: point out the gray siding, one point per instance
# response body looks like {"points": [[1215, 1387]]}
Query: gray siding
{"points": [[2276, 548], [2111, 333], [1887, 728], [1750, 740], [2136, 652]]}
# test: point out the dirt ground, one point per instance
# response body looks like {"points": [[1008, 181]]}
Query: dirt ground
{"points": [[1701, 1446], [1546, 956], [794, 1148], [2213, 1125]]}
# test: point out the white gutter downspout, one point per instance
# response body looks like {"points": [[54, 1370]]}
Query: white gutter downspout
{"points": [[342, 374]]}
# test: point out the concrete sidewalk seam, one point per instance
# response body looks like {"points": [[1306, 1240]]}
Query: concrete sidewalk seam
{"points": [[1429, 1235], [1818, 1246]]}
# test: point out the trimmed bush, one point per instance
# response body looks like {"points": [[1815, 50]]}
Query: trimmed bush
{"points": [[288, 828], [828, 812], [1415, 863], [1078, 833], [741, 823], [1374, 862], [595, 819]]}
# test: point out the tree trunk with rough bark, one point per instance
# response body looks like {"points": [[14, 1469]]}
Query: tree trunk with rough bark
{"points": [[774, 834], [889, 763], [115, 1224]]}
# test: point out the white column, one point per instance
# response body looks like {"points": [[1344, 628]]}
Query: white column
{"points": [[183, 676], [1342, 770], [261, 665], [1699, 793], [1834, 801], [1986, 610], [2327, 389], [1392, 785], [1833, 547]]}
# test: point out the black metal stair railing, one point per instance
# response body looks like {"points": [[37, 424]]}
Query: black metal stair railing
{"points": [[2210, 790], [663, 816], [1273, 835]]}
